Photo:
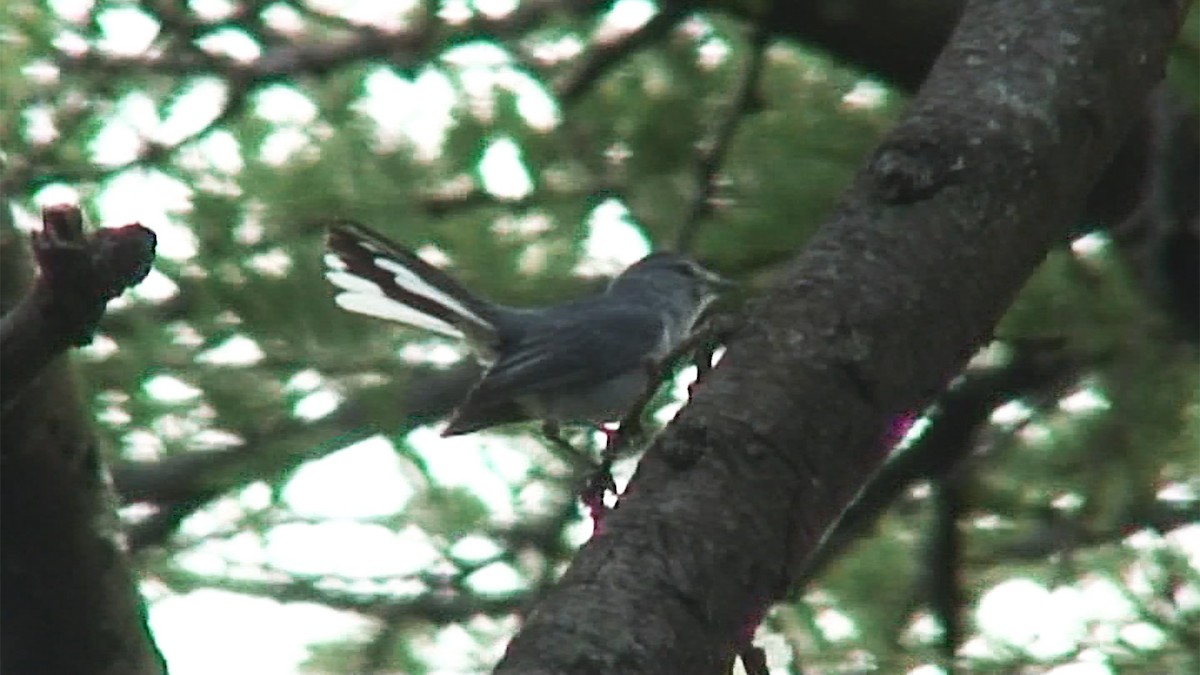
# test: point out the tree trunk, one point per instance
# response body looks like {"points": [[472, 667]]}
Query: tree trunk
{"points": [[70, 601], [954, 211]]}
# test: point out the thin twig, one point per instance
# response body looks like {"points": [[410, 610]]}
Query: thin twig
{"points": [[426, 607], [581, 75], [152, 154], [745, 100], [603, 56]]}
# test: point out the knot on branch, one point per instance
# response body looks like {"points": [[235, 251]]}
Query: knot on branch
{"points": [[80, 274], [910, 169]]}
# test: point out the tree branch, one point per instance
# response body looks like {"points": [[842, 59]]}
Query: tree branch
{"points": [[942, 571], [601, 57], [176, 55], [64, 577], [181, 484], [79, 275], [436, 608], [745, 100], [926, 251], [1055, 533], [898, 41]]}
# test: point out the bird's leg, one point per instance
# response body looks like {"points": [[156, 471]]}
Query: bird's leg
{"points": [[553, 433], [703, 361], [701, 345], [704, 341], [616, 439], [562, 448], [601, 482], [630, 427]]}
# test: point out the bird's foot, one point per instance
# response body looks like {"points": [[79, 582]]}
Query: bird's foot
{"points": [[599, 484]]}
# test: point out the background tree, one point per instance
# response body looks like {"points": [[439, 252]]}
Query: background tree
{"points": [[1063, 459]]}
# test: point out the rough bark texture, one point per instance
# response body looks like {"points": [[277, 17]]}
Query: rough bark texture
{"points": [[991, 166], [70, 601]]}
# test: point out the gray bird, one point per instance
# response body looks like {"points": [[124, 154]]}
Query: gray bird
{"points": [[584, 361]]}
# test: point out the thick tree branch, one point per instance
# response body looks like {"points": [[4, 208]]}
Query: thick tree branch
{"points": [[70, 600], [79, 275], [952, 214], [898, 40]]}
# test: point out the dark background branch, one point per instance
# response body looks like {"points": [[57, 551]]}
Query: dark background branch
{"points": [[943, 566], [744, 101], [954, 421]]}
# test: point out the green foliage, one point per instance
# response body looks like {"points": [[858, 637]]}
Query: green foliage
{"points": [[448, 512], [1183, 70], [875, 588]]}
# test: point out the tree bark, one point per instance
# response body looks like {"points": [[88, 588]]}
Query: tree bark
{"points": [[990, 168], [71, 604], [79, 275]]}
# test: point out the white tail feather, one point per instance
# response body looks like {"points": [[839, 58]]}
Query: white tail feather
{"points": [[363, 296], [374, 303], [406, 279], [350, 282]]}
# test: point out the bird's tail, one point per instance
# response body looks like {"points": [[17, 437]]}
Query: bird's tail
{"points": [[380, 278]]}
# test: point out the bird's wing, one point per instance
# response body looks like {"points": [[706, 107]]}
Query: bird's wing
{"points": [[588, 346]]}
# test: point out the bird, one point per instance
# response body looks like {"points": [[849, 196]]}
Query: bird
{"points": [[585, 361]]}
